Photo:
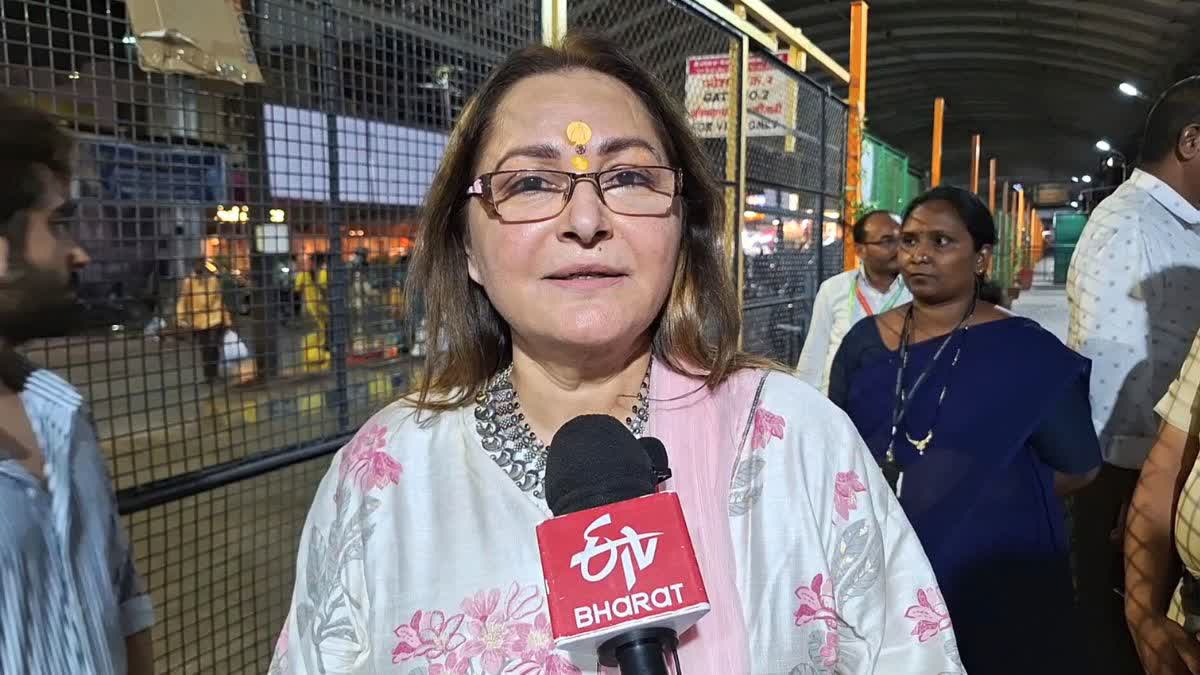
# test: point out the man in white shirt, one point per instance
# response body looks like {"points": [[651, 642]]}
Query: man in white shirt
{"points": [[849, 297], [1134, 295]]}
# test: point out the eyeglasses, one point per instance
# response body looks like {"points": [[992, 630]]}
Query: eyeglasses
{"points": [[528, 195], [886, 242]]}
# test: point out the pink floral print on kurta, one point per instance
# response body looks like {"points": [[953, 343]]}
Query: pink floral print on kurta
{"points": [[430, 634], [453, 666], [767, 425], [505, 633], [846, 487], [816, 603], [366, 461], [930, 614], [829, 653]]}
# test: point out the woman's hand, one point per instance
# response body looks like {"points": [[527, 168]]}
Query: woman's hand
{"points": [[1165, 648]]}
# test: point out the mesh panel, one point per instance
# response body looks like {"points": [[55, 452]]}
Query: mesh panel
{"points": [[220, 567], [885, 177], [207, 206], [790, 227]]}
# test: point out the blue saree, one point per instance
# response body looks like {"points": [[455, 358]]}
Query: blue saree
{"points": [[981, 497]]}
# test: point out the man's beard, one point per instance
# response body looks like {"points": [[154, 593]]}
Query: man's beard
{"points": [[39, 304]]}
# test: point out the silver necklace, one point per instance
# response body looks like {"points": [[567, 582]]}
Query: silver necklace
{"points": [[513, 445]]}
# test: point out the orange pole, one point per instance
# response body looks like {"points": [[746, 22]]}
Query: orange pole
{"points": [[976, 142], [992, 185], [1004, 208], [1021, 222], [858, 112], [939, 114]]}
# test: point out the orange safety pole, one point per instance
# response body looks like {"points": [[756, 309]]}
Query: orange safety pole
{"points": [[858, 112], [976, 142], [992, 185], [939, 114], [1036, 237], [1021, 228]]}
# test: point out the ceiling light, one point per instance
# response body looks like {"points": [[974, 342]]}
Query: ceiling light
{"points": [[1074, 205], [1128, 89], [1087, 179], [1074, 179], [1103, 145], [1111, 162]]}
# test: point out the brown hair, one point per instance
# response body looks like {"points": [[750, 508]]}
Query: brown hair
{"points": [[35, 149], [696, 332]]}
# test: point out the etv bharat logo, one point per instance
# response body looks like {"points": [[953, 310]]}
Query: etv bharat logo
{"points": [[634, 550]]}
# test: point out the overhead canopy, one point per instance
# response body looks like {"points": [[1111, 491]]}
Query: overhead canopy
{"points": [[1038, 78]]}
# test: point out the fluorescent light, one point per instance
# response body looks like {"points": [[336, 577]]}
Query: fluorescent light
{"points": [[1087, 178], [1074, 205], [1128, 89], [1103, 145], [1074, 179]]}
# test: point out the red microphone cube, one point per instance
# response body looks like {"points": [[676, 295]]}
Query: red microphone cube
{"points": [[625, 565]]}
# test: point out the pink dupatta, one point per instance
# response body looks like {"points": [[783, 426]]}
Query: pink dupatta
{"points": [[703, 431]]}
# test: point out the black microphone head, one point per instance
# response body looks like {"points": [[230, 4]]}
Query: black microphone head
{"points": [[595, 460], [657, 452]]}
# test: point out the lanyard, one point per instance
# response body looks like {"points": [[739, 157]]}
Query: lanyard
{"points": [[857, 294]]}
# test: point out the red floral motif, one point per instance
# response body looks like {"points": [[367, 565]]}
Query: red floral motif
{"points": [[767, 425], [430, 635], [366, 461], [846, 487], [930, 614], [816, 603]]}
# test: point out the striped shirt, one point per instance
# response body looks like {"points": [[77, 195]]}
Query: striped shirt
{"points": [[69, 593]]}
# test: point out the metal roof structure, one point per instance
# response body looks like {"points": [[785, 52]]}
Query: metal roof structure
{"points": [[1037, 78]]}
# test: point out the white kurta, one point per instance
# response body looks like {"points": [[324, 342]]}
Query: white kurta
{"points": [[419, 555], [835, 311]]}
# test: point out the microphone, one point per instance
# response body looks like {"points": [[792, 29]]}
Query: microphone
{"points": [[622, 581]]}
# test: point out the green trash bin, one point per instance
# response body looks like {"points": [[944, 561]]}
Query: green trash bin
{"points": [[1068, 227]]}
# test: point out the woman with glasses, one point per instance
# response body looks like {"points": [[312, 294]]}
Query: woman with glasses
{"points": [[845, 299], [572, 262], [981, 423]]}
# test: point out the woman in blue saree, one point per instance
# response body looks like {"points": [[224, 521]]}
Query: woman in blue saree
{"points": [[981, 422]]}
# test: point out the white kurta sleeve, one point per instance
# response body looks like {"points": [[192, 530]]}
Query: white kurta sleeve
{"points": [[815, 355], [328, 626]]}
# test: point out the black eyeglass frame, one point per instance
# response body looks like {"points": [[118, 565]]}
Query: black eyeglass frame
{"points": [[482, 187]]}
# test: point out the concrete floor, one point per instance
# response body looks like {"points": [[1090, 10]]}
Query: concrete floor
{"points": [[1048, 306]]}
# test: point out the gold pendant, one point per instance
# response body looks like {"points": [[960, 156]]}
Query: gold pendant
{"points": [[921, 444]]}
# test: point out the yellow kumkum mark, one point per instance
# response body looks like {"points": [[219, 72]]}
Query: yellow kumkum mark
{"points": [[579, 133]]}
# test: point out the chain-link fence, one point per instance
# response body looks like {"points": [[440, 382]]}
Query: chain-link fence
{"points": [[788, 229], [791, 225], [250, 242]]}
